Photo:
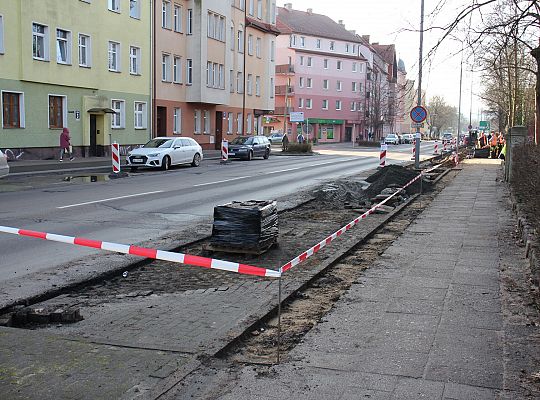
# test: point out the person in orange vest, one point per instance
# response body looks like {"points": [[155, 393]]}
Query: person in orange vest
{"points": [[482, 140], [494, 145]]}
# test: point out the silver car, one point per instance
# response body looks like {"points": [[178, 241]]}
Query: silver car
{"points": [[162, 152], [4, 167]]}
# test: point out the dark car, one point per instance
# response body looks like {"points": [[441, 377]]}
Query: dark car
{"points": [[247, 147]]}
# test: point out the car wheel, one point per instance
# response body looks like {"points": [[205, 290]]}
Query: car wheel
{"points": [[266, 154], [166, 163], [196, 160], [250, 156], [133, 169]]}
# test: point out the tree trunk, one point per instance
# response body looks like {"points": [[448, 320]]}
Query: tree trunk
{"points": [[536, 54]]}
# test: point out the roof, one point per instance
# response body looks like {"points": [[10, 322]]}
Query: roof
{"points": [[309, 23], [386, 51]]}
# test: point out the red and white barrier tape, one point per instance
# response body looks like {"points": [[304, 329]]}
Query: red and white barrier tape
{"points": [[148, 253]]}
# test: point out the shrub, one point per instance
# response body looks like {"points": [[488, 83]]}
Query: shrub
{"points": [[299, 148]]}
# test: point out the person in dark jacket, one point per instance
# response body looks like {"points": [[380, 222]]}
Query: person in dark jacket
{"points": [[65, 145], [285, 142]]}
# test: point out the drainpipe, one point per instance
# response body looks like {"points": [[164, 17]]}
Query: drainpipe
{"points": [[152, 70]]}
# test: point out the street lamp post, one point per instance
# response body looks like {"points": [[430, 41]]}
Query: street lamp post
{"points": [[419, 103]]}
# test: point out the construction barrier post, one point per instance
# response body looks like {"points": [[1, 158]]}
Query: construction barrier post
{"points": [[224, 151], [279, 321], [414, 150], [382, 156], [436, 148], [115, 151]]}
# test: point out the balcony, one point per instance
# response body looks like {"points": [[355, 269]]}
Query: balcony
{"points": [[285, 69], [281, 110], [282, 89]]}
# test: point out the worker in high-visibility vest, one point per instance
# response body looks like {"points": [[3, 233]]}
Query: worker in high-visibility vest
{"points": [[494, 145]]}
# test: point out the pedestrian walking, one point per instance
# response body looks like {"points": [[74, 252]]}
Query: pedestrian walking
{"points": [[285, 142], [300, 138], [65, 145]]}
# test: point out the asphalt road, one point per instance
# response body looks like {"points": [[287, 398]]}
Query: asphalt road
{"points": [[150, 204]]}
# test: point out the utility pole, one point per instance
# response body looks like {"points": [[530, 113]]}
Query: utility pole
{"points": [[419, 103], [244, 72], [459, 106]]}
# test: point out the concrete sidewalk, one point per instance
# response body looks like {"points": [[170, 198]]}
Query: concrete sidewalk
{"points": [[431, 320]]}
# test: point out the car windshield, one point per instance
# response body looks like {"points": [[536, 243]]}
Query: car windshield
{"points": [[391, 136], [242, 140], [158, 143]]}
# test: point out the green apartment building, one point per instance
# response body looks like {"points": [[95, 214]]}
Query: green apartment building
{"points": [[81, 64]]}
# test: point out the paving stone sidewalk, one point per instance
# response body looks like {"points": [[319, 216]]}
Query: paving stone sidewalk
{"points": [[425, 322]]}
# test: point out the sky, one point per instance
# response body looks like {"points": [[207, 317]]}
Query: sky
{"points": [[398, 22]]}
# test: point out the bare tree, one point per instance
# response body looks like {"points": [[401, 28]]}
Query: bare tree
{"points": [[440, 115]]}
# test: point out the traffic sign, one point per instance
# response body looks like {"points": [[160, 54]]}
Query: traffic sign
{"points": [[417, 125], [418, 114], [296, 116]]}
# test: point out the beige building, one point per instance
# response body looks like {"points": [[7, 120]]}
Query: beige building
{"points": [[214, 68]]}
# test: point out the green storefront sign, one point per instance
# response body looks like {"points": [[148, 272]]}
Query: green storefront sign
{"points": [[325, 121]]}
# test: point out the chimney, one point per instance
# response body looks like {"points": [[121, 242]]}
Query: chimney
{"points": [[341, 22], [366, 38], [288, 6], [310, 11]]}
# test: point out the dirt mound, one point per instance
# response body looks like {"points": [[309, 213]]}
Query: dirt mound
{"points": [[343, 191], [393, 175]]}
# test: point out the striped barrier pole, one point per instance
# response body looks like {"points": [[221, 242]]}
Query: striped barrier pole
{"points": [[444, 146], [148, 253], [382, 156], [115, 151], [436, 148], [224, 151], [414, 150]]}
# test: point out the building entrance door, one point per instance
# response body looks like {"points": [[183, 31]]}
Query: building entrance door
{"points": [[93, 136], [348, 133], [161, 121]]}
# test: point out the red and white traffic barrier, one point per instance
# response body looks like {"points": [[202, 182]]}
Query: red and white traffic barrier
{"points": [[115, 151], [436, 148], [224, 150], [382, 156], [444, 146], [414, 150], [148, 253]]}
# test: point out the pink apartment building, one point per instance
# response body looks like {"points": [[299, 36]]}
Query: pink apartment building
{"points": [[319, 71]]}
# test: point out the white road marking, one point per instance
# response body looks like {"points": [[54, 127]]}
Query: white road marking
{"points": [[112, 198], [225, 180]]}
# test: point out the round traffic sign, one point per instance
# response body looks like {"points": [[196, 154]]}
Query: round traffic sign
{"points": [[418, 114]]}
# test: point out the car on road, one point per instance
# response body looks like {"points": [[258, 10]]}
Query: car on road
{"points": [[391, 138], [276, 138], [4, 167], [163, 152], [407, 138], [447, 138], [247, 147]]}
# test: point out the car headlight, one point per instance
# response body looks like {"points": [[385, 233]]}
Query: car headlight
{"points": [[153, 155], [129, 154]]}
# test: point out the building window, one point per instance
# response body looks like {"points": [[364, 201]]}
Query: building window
{"points": [[40, 42], [258, 47], [209, 82], [353, 106], [325, 84], [230, 125], [197, 125], [259, 9], [339, 86], [360, 87], [301, 82], [85, 51], [114, 5], [310, 61], [1, 34], [239, 82], [250, 84], [232, 36], [249, 123], [302, 41], [165, 67], [206, 121], [257, 85], [272, 51], [239, 125], [250, 45], [114, 59], [354, 87], [273, 13], [57, 112], [134, 60], [166, 14], [354, 67], [300, 103], [177, 121], [347, 47], [231, 81], [177, 17], [221, 76], [177, 69], [361, 68], [63, 46], [240, 41], [325, 63], [309, 82], [318, 43], [339, 65], [325, 104], [338, 105], [12, 110], [189, 21], [140, 115], [309, 103], [118, 119], [301, 60], [332, 45], [293, 41], [189, 71], [216, 26], [135, 9]]}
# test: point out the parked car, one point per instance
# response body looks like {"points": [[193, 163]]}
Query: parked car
{"points": [[247, 147], [447, 138], [163, 152], [391, 138], [276, 138], [4, 167], [408, 138]]}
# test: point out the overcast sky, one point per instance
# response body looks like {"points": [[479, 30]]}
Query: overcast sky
{"points": [[385, 20]]}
